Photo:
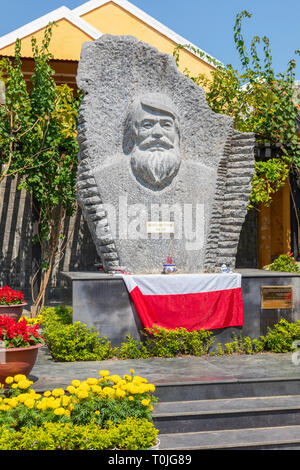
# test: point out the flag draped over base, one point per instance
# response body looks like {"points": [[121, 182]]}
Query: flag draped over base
{"points": [[191, 301]]}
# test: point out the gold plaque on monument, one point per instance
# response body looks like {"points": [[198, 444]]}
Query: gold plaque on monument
{"points": [[273, 297]]}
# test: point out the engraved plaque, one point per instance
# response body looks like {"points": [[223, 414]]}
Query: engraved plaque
{"points": [[274, 297], [160, 227]]}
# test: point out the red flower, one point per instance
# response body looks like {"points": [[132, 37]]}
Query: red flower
{"points": [[9, 296], [18, 334]]}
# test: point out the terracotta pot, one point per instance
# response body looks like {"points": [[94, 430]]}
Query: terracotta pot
{"points": [[13, 311], [17, 361]]}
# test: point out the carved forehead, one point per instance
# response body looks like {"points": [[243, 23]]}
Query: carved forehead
{"points": [[157, 102]]}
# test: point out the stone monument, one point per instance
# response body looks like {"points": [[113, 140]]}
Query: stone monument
{"points": [[160, 174]]}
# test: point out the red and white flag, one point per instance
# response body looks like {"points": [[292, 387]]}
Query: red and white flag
{"points": [[191, 301]]}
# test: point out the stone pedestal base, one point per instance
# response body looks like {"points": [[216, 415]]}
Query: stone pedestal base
{"points": [[102, 301]]}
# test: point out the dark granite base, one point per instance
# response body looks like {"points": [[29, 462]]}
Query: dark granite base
{"points": [[102, 301]]}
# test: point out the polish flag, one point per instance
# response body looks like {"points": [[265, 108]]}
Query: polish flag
{"points": [[191, 301]]}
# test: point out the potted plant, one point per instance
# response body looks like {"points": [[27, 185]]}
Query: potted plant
{"points": [[11, 302], [19, 343]]}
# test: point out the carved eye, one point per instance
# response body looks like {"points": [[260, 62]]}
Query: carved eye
{"points": [[147, 124], [167, 124]]}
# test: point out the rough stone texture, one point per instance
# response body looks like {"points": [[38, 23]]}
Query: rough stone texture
{"points": [[214, 175]]}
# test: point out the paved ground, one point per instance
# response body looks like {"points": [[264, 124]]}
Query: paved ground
{"points": [[48, 374]]}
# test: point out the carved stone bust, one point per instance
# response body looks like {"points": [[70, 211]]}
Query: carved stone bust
{"points": [[153, 154], [152, 138]]}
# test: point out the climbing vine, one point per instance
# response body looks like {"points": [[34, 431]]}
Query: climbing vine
{"points": [[38, 143], [261, 102]]}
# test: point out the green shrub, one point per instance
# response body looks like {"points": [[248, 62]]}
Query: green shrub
{"points": [[132, 349], [161, 342], [135, 434], [280, 338], [131, 434], [76, 342], [59, 314], [285, 263], [72, 342]]}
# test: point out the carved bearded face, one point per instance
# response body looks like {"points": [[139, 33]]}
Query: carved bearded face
{"points": [[155, 157]]}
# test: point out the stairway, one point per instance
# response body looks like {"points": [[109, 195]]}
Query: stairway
{"points": [[238, 414]]}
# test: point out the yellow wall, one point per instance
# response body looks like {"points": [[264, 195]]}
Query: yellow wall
{"points": [[67, 39], [113, 19], [274, 232], [65, 43]]}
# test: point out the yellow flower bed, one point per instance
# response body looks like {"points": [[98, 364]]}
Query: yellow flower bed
{"points": [[89, 401]]}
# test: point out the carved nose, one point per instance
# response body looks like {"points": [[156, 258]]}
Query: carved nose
{"points": [[157, 131]]}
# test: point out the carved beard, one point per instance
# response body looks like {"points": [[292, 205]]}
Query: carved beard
{"points": [[154, 167]]}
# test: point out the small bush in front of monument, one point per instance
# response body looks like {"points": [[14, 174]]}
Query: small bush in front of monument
{"points": [[69, 342], [75, 342], [280, 338], [285, 263], [132, 349], [161, 342]]}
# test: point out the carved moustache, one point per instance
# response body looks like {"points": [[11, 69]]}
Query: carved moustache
{"points": [[156, 144]]}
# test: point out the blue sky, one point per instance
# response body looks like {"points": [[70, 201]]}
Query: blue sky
{"points": [[207, 24]]}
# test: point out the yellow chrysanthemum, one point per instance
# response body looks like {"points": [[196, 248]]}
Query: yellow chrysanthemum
{"points": [[65, 400], [115, 378], [120, 393], [41, 405], [71, 389], [82, 394], [84, 386], [9, 380], [130, 398], [96, 389], [139, 380], [97, 412], [29, 403], [19, 377], [75, 383], [108, 391], [24, 383], [58, 392], [4, 407], [47, 393], [13, 403], [104, 373], [131, 371], [145, 402], [59, 411], [91, 381]]}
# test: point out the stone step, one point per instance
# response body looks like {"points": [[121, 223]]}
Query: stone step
{"points": [[221, 414], [270, 438], [227, 388]]}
